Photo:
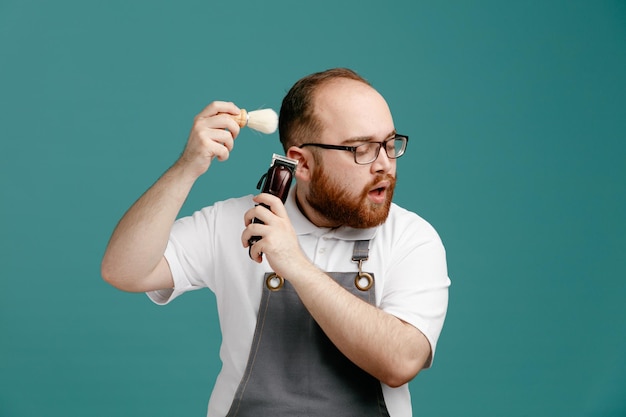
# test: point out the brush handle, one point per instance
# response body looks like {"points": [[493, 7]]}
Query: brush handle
{"points": [[242, 118]]}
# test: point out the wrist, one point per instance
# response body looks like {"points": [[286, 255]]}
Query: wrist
{"points": [[186, 171], [301, 270]]}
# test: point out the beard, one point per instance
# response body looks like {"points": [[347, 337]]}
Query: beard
{"points": [[341, 207]]}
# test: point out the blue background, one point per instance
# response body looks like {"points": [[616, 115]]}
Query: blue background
{"points": [[517, 118]]}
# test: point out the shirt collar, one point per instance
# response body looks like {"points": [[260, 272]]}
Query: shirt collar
{"points": [[303, 226]]}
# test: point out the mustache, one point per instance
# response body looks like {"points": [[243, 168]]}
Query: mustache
{"points": [[383, 177]]}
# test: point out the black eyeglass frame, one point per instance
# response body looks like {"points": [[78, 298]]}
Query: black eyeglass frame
{"points": [[353, 149]]}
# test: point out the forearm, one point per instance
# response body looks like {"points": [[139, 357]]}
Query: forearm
{"points": [[379, 343], [139, 240], [134, 260]]}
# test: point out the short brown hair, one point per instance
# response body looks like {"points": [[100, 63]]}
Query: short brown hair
{"points": [[297, 121]]}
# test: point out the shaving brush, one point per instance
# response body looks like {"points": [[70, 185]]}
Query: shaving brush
{"points": [[264, 120]]}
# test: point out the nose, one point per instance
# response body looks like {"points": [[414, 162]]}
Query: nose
{"points": [[382, 164]]}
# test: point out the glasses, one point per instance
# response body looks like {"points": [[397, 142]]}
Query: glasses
{"points": [[368, 152]]}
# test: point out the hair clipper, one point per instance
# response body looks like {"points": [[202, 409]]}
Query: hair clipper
{"points": [[276, 181]]}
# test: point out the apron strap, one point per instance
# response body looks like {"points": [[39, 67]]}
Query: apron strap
{"points": [[363, 281], [361, 250]]}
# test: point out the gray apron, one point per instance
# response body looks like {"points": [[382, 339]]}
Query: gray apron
{"points": [[294, 369]]}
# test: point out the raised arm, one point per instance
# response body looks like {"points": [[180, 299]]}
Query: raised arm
{"points": [[133, 260]]}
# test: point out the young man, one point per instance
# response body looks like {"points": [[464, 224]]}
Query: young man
{"points": [[346, 293]]}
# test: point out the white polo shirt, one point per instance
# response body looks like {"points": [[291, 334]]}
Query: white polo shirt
{"points": [[406, 258]]}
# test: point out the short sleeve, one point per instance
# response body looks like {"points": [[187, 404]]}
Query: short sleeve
{"points": [[417, 282]]}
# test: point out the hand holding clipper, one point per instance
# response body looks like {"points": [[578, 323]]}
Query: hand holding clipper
{"points": [[277, 182]]}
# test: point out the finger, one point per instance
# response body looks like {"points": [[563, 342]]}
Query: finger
{"points": [[219, 136], [220, 152], [255, 253], [248, 217], [221, 125], [254, 229], [258, 212], [208, 144], [274, 203], [217, 107], [245, 237], [218, 115]]}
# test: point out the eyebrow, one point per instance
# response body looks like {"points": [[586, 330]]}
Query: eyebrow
{"points": [[363, 139]]}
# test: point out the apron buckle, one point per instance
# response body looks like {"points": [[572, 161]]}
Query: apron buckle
{"points": [[363, 281], [274, 282]]}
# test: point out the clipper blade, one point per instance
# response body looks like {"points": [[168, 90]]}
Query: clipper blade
{"points": [[283, 160]]}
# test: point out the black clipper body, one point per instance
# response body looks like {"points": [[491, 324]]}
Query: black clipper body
{"points": [[276, 181]]}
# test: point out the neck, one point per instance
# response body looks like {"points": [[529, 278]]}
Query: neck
{"points": [[310, 213]]}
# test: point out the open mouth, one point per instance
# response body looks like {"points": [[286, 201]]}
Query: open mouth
{"points": [[378, 193], [380, 187]]}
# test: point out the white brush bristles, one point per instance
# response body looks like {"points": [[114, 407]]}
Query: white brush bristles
{"points": [[264, 120]]}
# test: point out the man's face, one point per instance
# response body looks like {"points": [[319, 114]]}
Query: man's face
{"points": [[342, 205], [341, 191]]}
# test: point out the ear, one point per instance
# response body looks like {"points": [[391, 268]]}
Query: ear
{"points": [[305, 162]]}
